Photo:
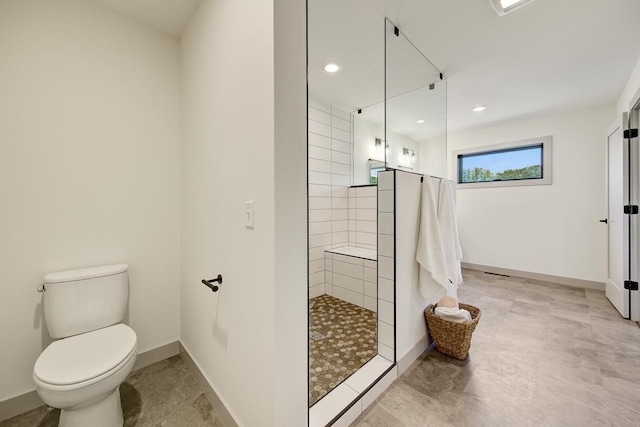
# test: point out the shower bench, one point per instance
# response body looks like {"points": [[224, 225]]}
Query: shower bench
{"points": [[351, 274]]}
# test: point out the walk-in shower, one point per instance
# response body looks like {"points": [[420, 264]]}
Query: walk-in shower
{"points": [[384, 110]]}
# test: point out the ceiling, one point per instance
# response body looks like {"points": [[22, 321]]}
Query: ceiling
{"points": [[548, 56], [167, 16]]}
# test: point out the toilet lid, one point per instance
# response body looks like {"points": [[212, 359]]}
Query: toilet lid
{"points": [[83, 357]]}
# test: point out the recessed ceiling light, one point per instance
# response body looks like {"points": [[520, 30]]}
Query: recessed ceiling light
{"points": [[480, 108], [420, 121], [502, 7], [332, 67]]}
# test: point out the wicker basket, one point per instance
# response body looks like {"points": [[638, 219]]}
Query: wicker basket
{"points": [[451, 338]]}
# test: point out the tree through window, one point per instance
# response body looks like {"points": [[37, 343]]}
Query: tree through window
{"points": [[516, 163]]}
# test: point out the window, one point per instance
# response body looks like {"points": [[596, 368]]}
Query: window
{"points": [[512, 164], [375, 166], [373, 180]]}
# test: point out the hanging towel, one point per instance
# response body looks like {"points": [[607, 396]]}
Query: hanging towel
{"points": [[429, 253], [449, 232]]}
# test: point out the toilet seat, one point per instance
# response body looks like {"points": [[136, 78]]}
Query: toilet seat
{"points": [[82, 358]]}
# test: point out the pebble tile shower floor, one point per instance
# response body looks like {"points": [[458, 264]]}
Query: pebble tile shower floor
{"points": [[349, 342], [164, 394]]}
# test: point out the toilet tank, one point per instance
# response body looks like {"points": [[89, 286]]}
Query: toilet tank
{"points": [[79, 301]]}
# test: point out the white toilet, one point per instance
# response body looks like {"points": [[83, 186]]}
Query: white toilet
{"points": [[81, 374]]}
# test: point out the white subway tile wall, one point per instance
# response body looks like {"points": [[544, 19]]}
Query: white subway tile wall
{"points": [[386, 262], [330, 171], [341, 216], [353, 218], [363, 224]]}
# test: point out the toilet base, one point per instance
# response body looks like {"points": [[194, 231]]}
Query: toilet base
{"points": [[106, 412]]}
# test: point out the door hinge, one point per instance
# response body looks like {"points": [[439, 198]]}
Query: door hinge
{"points": [[631, 133], [631, 209], [632, 286]]}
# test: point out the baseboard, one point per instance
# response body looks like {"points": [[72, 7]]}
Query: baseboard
{"points": [[413, 354], [561, 280], [156, 354], [218, 404], [19, 404], [30, 400]]}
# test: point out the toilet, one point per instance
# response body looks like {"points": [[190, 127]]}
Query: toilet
{"points": [[81, 373]]}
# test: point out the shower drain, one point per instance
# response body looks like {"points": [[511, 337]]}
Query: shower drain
{"points": [[316, 336]]}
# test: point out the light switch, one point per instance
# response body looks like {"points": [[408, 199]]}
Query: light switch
{"points": [[248, 214]]}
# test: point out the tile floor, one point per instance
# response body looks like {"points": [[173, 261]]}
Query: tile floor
{"points": [[542, 355], [164, 394], [349, 342]]}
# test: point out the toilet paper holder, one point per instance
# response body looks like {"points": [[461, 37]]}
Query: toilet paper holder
{"points": [[210, 285]]}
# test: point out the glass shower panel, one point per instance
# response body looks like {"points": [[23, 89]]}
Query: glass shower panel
{"points": [[342, 227], [368, 144], [415, 108]]}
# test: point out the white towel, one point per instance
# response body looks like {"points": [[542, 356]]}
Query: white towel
{"points": [[458, 315], [449, 232], [430, 253]]}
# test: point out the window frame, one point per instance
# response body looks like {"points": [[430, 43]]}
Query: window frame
{"points": [[546, 167]]}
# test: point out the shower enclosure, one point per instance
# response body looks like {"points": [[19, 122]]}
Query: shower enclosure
{"points": [[383, 111]]}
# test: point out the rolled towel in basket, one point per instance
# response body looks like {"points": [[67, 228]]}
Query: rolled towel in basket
{"points": [[453, 314], [448, 301]]}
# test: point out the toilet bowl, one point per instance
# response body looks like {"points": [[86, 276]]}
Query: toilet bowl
{"points": [[81, 375]]}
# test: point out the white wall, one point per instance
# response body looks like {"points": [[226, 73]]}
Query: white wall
{"points": [[243, 138], [387, 322], [630, 91], [364, 135], [549, 229], [433, 157], [291, 306], [411, 331], [89, 168]]}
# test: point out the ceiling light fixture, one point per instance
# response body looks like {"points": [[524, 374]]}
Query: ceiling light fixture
{"points": [[502, 7], [420, 121], [332, 67], [479, 108]]}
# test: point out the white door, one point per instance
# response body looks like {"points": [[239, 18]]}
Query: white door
{"points": [[618, 253]]}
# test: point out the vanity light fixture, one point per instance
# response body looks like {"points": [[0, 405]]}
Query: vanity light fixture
{"points": [[502, 7], [378, 147], [408, 155], [420, 121], [332, 67], [479, 108]]}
